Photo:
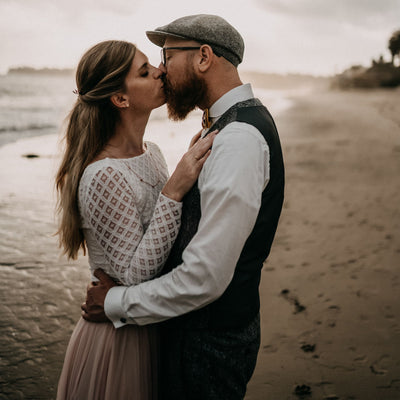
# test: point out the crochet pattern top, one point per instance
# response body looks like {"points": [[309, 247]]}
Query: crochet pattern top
{"points": [[129, 226]]}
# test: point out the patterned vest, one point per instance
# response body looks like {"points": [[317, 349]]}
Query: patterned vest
{"points": [[240, 303]]}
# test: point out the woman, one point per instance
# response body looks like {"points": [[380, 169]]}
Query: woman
{"points": [[116, 201]]}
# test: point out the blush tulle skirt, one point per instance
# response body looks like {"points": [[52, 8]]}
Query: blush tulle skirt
{"points": [[104, 363]]}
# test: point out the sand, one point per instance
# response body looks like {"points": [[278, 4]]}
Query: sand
{"points": [[329, 290], [330, 306]]}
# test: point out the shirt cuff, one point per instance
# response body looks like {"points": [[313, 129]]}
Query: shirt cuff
{"points": [[113, 306]]}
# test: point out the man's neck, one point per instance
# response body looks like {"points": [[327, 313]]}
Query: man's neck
{"points": [[217, 88]]}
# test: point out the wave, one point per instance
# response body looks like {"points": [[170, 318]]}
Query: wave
{"points": [[29, 127]]}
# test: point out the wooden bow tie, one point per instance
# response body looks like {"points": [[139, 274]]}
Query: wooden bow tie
{"points": [[206, 122]]}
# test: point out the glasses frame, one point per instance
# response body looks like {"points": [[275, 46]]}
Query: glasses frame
{"points": [[164, 49]]}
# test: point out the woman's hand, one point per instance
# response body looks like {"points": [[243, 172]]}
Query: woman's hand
{"points": [[188, 169], [195, 138]]}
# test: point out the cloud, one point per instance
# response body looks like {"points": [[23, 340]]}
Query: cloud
{"points": [[56, 33], [323, 37], [365, 13], [280, 35], [76, 8]]}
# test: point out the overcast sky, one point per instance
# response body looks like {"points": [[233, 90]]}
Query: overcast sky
{"points": [[307, 36]]}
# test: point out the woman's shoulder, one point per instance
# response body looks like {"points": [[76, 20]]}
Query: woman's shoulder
{"points": [[156, 153], [106, 167], [101, 165], [153, 147]]}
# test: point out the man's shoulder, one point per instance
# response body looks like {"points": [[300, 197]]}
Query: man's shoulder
{"points": [[241, 132], [254, 114]]}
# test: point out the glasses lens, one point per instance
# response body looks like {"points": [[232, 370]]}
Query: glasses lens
{"points": [[162, 53]]}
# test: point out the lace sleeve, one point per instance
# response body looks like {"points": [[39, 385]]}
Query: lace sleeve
{"points": [[134, 255]]}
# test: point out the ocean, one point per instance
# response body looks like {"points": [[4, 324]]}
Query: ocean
{"points": [[38, 104], [32, 105]]}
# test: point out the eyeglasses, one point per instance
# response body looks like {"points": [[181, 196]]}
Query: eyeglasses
{"points": [[164, 49]]}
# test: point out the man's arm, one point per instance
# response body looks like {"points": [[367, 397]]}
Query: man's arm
{"points": [[231, 186], [93, 307]]}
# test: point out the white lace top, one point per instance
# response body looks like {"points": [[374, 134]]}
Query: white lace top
{"points": [[129, 226]]}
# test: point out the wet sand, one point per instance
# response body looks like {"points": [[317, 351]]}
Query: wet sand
{"points": [[330, 308]]}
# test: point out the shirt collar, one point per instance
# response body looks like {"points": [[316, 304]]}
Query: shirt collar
{"points": [[224, 103]]}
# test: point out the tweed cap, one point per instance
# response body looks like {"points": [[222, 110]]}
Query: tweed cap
{"points": [[213, 30]]}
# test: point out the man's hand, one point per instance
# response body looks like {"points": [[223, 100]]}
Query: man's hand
{"points": [[93, 308]]}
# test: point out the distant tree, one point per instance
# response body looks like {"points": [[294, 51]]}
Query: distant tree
{"points": [[394, 45]]}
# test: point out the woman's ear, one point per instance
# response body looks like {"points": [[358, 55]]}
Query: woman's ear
{"points": [[120, 100]]}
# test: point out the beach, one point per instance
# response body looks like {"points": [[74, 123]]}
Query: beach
{"points": [[329, 289]]}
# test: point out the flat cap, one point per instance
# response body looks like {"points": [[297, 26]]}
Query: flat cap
{"points": [[213, 30]]}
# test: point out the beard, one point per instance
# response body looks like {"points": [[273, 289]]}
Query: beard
{"points": [[184, 96]]}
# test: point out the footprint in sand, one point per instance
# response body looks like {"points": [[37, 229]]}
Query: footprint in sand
{"points": [[298, 308], [333, 311], [302, 391], [361, 360], [379, 366], [308, 348], [269, 348]]}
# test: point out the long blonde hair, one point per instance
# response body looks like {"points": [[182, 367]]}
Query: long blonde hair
{"points": [[100, 74]]}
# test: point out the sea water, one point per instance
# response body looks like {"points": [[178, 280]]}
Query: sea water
{"points": [[38, 104]]}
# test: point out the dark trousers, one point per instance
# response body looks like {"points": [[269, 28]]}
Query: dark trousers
{"points": [[206, 364]]}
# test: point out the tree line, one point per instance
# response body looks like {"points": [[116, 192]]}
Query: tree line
{"points": [[394, 45]]}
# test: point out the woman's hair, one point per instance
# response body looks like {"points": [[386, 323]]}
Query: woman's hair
{"points": [[100, 74]]}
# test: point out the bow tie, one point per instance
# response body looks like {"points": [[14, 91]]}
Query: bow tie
{"points": [[206, 122]]}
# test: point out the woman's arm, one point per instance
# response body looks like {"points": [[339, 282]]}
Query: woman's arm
{"points": [[109, 208]]}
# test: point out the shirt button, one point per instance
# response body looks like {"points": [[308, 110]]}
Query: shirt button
{"points": [[123, 320]]}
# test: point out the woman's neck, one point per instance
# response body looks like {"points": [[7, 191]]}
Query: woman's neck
{"points": [[127, 140]]}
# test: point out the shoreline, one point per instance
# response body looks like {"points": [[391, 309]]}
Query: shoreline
{"points": [[329, 309], [277, 99]]}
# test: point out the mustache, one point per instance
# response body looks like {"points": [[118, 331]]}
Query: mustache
{"points": [[164, 80], [166, 85]]}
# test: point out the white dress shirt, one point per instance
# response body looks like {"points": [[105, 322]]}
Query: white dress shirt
{"points": [[231, 184]]}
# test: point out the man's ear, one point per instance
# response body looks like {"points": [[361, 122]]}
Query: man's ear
{"points": [[120, 100], [206, 55]]}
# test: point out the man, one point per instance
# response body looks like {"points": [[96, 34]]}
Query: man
{"points": [[209, 292]]}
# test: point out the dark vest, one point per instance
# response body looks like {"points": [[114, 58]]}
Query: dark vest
{"points": [[240, 302]]}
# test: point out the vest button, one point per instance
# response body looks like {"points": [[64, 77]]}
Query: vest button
{"points": [[123, 320]]}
